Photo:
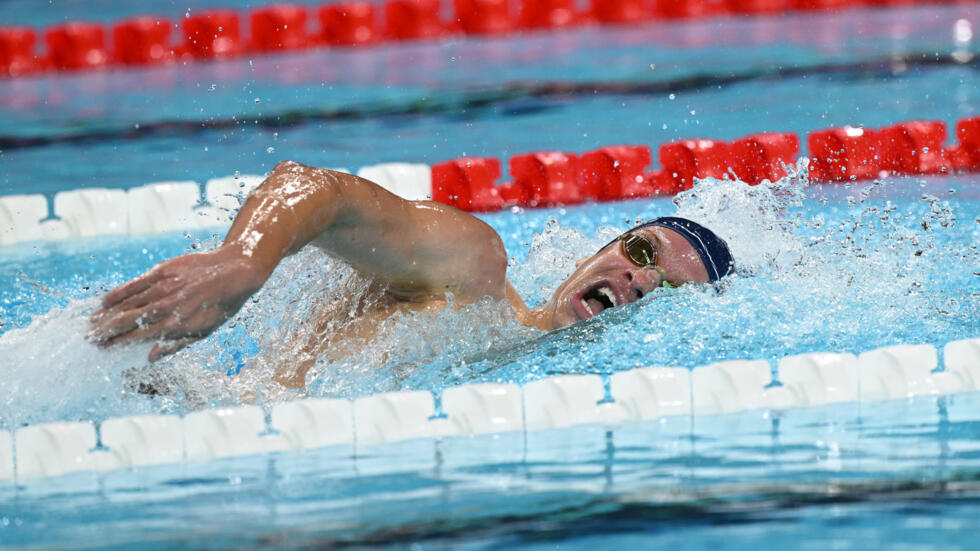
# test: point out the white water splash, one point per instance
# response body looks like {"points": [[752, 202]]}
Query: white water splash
{"points": [[760, 223], [50, 371]]}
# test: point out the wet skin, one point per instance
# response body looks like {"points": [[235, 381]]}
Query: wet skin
{"points": [[419, 249]]}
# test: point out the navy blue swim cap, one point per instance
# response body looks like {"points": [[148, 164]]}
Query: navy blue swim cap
{"points": [[712, 249]]}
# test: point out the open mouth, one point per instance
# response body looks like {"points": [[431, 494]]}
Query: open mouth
{"points": [[598, 298]]}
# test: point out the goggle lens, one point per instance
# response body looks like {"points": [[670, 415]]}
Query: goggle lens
{"points": [[639, 250]]}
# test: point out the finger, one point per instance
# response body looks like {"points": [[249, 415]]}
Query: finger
{"points": [[156, 292], [142, 298], [143, 332], [122, 323], [169, 347], [129, 288]]}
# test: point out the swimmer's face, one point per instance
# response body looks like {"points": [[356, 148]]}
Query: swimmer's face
{"points": [[609, 278]]}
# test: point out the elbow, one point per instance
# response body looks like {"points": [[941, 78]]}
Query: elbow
{"points": [[284, 167]]}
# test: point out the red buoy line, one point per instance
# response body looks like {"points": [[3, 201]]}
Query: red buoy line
{"points": [[217, 34], [538, 179], [621, 172]]}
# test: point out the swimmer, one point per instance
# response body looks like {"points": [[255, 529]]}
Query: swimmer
{"points": [[419, 251]]}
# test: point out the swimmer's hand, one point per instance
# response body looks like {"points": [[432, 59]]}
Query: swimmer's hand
{"points": [[177, 302]]}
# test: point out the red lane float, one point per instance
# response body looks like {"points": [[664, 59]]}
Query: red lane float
{"points": [[914, 147], [901, 2], [760, 6], [660, 182], [620, 11], [619, 172], [215, 33], [686, 160], [764, 156], [484, 16], [17, 52], [279, 27], [848, 153], [965, 155], [827, 4], [553, 14], [691, 8], [348, 24], [548, 178], [468, 184], [513, 194], [212, 34], [76, 45], [616, 172], [141, 41], [412, 19]]}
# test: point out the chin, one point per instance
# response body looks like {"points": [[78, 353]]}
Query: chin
{"points": [[563, 316]]}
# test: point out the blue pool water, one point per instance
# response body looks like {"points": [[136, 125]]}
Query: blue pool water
{"points": [[823, 268]]}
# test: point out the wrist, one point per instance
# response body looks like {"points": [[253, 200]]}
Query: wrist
{"points": [[254, 268]]}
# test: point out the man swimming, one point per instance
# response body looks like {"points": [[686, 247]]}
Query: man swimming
{"points": [[420, 251]]}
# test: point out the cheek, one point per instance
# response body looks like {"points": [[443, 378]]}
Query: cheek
{"points": [[688, 270], [558, 296]]}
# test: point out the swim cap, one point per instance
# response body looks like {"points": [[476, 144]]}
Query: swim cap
{"points": [[712, 249]]}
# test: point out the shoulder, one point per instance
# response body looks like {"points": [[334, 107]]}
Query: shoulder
{"points": [[471, 247]]}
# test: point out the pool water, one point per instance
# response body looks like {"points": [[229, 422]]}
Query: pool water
{"points": [[842, 268], [892, 475]]}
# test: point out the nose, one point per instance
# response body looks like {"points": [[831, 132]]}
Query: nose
{"points": [[641, 281]]}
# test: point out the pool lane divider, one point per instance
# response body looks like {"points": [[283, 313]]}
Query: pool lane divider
{"points": [[218, 33], [621, 172], [538, 179], [356, 428]]}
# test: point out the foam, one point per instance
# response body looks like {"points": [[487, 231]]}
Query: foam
{"points": [[53, 353]]}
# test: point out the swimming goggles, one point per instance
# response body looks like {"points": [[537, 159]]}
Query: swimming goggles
{"points": [[640, 251]]}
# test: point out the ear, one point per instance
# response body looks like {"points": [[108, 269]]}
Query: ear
{"points": [[581, 261]]}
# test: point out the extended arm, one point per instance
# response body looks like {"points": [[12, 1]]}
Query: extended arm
{"points": [[421, 249]]}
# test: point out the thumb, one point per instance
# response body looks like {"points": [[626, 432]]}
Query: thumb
{"points": [[167, 347]]}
